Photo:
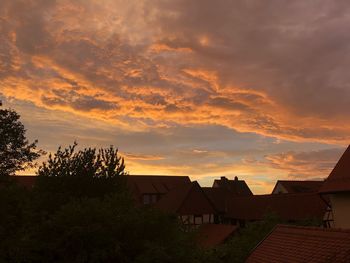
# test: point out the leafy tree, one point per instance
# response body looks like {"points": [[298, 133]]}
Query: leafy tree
{"points": [[238, 248], [88, 163], [69, 174], [16, 152], [79, 209], [108, 229]]}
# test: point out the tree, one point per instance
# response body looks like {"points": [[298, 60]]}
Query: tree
{"points": [[80, 211], [110, 229], [16, 152], [85, 173], [88, 163]]}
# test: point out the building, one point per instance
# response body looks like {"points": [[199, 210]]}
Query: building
{"points": [[190, 203], [27, 181], [288, 207], [337, 188], [219, 197], [295, 187], [212, 235], [149, 189], [237, 187], [292, 244]]}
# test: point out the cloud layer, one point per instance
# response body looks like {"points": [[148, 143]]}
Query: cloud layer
{"points": [[275, 69]]}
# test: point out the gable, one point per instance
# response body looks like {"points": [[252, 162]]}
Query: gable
{"points": [[196, 203], [339, 178], [279, 189]]}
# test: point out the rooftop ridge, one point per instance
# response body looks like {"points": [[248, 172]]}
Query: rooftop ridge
{"points": [[313, 228], [283, 180]]}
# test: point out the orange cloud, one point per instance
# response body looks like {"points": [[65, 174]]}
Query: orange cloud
{"points": [[145, 66]]}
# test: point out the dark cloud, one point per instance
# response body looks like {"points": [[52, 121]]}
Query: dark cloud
{"points": [[296, 51], [199, 82], [228, 104], [77, 101], [271, 63]]}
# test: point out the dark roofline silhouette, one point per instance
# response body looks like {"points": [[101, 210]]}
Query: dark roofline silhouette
{"points": [[339, 178]]}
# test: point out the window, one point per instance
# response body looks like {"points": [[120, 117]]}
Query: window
{"points": [[154, 198], [207, 218], [146, 199], [198, 219]]}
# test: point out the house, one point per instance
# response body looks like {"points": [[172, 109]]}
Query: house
{"points": [[212, 235], [148, 189], [288, 207], [295, 187], [219, 197], [238, 187], [337, 188], [190, 203], [27, 181], [293, 244]]}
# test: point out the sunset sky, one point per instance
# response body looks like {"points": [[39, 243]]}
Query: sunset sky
{"points": [[254, 89]]}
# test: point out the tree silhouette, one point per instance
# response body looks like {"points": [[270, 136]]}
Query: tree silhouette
{"points": [[16, 152], [84, 173], [89, 162]]}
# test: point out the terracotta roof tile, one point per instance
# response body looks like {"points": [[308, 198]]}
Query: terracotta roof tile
{"points": [[154, 184], [339, 178], [27, 181], [219, 197], [286, 206], [188, 199], [238, 187], [211, 235], [294, 187], [292, 244]]}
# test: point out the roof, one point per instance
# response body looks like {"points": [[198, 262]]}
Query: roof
{"points": [[285, 206], [211, 235], [300, 186], [235, 186], [188, 199], [303, 244], [27, 181], [140, 184], [218, 196], [154, 184], [339, 178]]}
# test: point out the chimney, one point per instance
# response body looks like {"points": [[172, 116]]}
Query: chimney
{"points": [[223, 178], [236, 178]]}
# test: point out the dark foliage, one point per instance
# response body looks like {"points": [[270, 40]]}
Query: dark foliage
{"points": [[238, 248], [88, 163], [85, 173], [16, 152], [80, 211]]}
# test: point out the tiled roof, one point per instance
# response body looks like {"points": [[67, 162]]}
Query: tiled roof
{"points": [[339, 178], [211, 235], [235, 186], [292, 244], [294, 187], [161, 184], [188, 199], [154, 184], [27, 181], [219, 197], [139, 184], [286, 206]]}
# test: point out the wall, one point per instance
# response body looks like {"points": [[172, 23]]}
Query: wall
{"points": [[341, 209]]}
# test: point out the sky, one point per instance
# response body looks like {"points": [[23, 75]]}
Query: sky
{"points": [[254, 89]]}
